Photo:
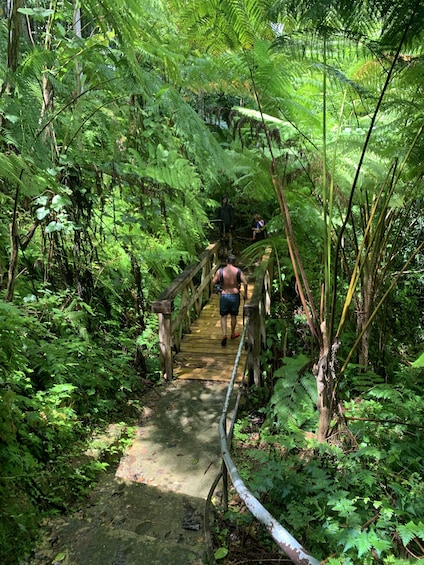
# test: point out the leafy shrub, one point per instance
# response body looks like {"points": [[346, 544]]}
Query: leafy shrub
{"points": [[359, 497], [57, 383]]}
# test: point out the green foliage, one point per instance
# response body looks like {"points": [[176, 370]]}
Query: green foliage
{"points": [[356, 500], [294, 397], [220, 553], [419, 363], [113, 144], [358, 380], [57, 382], [111, 181]]}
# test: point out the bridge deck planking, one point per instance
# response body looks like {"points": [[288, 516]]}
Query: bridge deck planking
{"points": [[202, 356]]}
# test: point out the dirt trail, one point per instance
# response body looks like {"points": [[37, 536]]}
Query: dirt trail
{"points": [[150, 509]]}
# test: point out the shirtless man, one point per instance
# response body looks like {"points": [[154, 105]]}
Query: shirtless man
{"points": [[231, 278]]}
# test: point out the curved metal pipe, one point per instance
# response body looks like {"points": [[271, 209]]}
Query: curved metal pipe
{"points": [[287, 543]]}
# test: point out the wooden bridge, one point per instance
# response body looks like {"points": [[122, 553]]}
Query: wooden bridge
{"points": [[190, 345], [189, 322]]}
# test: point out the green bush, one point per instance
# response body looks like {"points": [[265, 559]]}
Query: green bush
{"points": [[359, 497], [58, 382]]}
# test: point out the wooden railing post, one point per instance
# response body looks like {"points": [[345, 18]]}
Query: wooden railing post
{"points": [[163, 309], [207, 267], [253, 344], [172, 327], [257, 309]]}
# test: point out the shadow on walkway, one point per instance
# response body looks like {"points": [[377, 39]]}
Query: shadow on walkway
{"points": [[150, 510]]}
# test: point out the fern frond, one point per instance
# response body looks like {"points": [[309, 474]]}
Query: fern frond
{"points": [[295, 393]]}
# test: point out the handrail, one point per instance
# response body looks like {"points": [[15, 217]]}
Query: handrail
{"points": [[287, 543], [191, 296], [170, 335]]}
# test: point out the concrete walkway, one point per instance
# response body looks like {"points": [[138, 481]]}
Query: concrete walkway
{"points": [[177, 448], [150, 509], [173, 461]]}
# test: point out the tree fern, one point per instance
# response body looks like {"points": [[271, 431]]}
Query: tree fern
{"points": [[294, 396]]}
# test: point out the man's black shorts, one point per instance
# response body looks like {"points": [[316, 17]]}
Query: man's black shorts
{"points": [[229, 304]]}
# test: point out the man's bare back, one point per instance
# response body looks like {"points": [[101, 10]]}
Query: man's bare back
{"points": [[230, 283], [230, 277]]}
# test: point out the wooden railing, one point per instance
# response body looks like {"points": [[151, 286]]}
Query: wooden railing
{"points": [[256, 310], [182, 302]]}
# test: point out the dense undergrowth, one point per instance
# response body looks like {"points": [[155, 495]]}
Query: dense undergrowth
{"points": [[357, 499], [118, 141], [60, 385]]}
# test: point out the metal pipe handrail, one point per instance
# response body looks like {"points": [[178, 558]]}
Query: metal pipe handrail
{"points": [[287, 543]]}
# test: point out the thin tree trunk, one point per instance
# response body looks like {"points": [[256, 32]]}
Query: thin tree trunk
{"points": [[13, 264], [363, 317], [326, 374], [368, 289], [14, 251], [14, 29], [14, 33], [12, 53]]}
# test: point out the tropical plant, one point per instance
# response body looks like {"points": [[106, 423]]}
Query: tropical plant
{"points": [[103, 169], [328, 123], [356, 499], [120, 125]]}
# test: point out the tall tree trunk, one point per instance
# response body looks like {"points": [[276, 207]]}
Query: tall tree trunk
{"points": [[12, 52], [369, 286], [362, 321], [14, 33], [47, 86]]}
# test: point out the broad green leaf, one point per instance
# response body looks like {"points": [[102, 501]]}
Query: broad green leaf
{"points": [[419, 363], [221, 553], [59, 202], [39, 13]]}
